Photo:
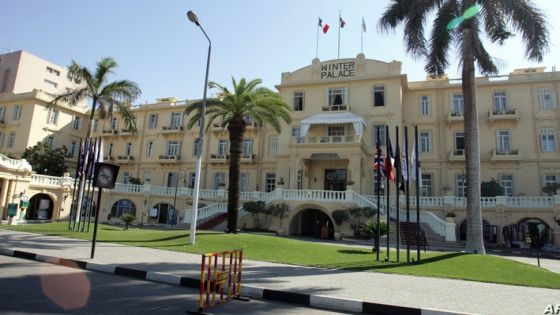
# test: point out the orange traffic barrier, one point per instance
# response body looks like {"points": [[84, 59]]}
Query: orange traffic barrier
{"points": [[220, 274]]}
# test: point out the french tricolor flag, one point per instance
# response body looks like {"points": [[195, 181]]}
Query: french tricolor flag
{"points": [[325, 27]]}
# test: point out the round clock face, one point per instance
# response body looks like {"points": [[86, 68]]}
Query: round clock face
{"points": [[105, 177]]}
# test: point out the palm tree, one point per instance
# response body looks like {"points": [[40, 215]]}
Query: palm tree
{"points": [[246, 102], [105, 97], [461, 23]]}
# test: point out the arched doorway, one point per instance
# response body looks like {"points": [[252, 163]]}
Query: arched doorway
{"points": [[534, 230], [166, 213], [40, 208], [313, 223], [489, 232], [123, 206]]}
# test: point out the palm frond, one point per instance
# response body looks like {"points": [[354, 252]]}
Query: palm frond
{"points": [[441, 38]]}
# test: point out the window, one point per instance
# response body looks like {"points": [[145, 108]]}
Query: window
{"points": [[244, 181], [296, 132], [458, 105], [219, 180], [1, 139], [73, 147], [461, 184], [52, 116], [272, 144], [173, 147], [427, 185], [222, 148], [544, 97], [2, 111], [152, 121], [126, 177], [171, 179], [110, 151], [114, 124], [503, 141], [11, 139], [459, 143], [95, 124], [550, 179], [191, 180], [425, 139], [425, 105], [500, 104], [50, 142], [123, 206], [506, 181], [196, 146], [150, 149], [378, 96], [335, 131], [77, 123], [51, 83], [247, 148], [248, 119], [548, 140], [53, 71], [176, 120], [298, 101], [337, 97], [382, 135], [299, 180], [128, 149], [16, 113], [270, 184]]}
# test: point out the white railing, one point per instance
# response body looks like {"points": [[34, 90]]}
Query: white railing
{"points": [[14, 164], [205, 212], [530, 202], [327, 139], [51, 181]]}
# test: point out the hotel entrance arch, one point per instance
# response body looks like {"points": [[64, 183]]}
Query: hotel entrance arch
{"points": [[312, 223]]}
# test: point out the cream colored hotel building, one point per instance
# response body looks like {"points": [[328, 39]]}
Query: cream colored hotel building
{"points": [[323, 160]]}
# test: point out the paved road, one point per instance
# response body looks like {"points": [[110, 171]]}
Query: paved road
{"points": [[419, 292], [34, 287]]}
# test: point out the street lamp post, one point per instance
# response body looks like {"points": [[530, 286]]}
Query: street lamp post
{"points": [[198, 170]]}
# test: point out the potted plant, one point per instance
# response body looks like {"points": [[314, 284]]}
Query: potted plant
{"points": [[450, 216]]}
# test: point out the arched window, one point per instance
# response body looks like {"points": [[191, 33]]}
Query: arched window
{"points": [[123, 206]]}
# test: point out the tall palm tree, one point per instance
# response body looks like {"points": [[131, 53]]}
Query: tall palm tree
{"points": [[460, 23], [232, 110], [105, 97]]}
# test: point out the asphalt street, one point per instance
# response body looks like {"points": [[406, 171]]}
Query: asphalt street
{"points": [[30, 287]]}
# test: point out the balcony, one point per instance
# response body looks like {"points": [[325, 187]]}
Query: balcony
{"points": [[125, 159], [506, 155], [109, 158], [503, 114], [126, 132], [455, 116], [457, 155], [218, 158], [109, 132], [247, 158], [335, 108], [172, 129], [327, 140], [169, 159]]}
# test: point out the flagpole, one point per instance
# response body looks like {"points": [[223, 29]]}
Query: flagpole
{"points": [[378, 193], [339, 34], [397, 182], [387, 175], [417, 194], [407, 190], [362, 37], [317, 47]]}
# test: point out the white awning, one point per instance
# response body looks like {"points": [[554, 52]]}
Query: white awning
{"points": [[333, 119]]}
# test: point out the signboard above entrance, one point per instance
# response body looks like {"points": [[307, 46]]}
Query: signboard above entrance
{"points": [[338, 70]]}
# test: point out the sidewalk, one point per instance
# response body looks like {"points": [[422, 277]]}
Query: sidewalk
{"points": [[408, 291]]}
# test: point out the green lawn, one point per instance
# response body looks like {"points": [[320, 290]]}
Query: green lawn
{"points": [[289, 251]]}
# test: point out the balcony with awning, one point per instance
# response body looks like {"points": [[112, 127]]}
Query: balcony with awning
{"points": [[334, 119]]}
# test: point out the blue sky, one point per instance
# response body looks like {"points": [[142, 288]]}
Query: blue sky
{"points": [[165, 54]]}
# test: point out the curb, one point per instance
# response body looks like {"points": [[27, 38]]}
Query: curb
{"points": [[303, 299]]}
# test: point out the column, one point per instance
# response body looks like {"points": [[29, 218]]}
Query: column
{"points": [[3, 195]]}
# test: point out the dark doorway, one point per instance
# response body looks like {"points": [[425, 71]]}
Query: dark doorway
{"points": [[335, 179], [489, 232], [40, 208], [313, 223], [166, 213]]}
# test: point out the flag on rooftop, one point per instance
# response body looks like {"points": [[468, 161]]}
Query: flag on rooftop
{"points": [[325, 27]]}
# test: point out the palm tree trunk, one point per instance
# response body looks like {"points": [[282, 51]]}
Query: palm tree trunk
{"points": [[236, 130], [475, 242]]}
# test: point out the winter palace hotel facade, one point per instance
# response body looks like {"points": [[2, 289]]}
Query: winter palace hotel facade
{"points": [[321, 162]]}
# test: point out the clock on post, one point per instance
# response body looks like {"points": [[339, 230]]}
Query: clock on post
{"points": [[105, 175]]}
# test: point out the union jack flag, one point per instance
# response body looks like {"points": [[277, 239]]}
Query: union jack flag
{"points": [[379, 162]]}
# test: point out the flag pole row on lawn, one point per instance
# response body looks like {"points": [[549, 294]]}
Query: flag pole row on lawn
{"points": [[324, 27], [400, 170], [93, 150]]}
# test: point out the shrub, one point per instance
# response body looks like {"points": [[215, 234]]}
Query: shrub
{"points": [[127, 219], [358, 216], [491, 189], [550, 189], [369, 229], [340, 216], [279, 210], [254, 208]]}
